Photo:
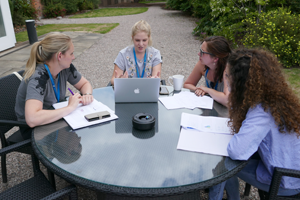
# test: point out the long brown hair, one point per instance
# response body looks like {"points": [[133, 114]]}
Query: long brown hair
{"points": [[256, 77], [220, 47]]}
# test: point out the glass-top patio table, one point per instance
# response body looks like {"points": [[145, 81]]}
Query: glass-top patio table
{"points": [[119, 161]]}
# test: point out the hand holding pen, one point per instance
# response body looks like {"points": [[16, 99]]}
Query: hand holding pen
{"points": [[85, 99], [74, 100]]}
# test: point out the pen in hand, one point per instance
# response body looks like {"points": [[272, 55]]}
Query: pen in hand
{"points": [[71, 91]]}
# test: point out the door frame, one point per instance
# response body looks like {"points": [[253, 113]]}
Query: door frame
{"points": [[9, 40]]}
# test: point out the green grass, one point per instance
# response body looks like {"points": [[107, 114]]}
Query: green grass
{"points": [[94, 28], [293, 77], [153, 1], [108, 12]]}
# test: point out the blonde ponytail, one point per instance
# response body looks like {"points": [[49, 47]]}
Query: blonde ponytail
{"points": [[45, 49]]}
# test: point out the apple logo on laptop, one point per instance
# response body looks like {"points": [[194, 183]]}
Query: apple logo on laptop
{"points": [[136, 91]]}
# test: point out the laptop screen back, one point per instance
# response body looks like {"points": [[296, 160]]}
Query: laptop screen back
{"points": [[131, 90]]}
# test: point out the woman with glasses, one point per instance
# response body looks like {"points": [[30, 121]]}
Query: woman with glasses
{"points": [[213, 55], [139, 60], [265, 118]]}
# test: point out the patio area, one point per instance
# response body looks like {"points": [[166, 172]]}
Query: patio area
{"points": [[95, 55]]}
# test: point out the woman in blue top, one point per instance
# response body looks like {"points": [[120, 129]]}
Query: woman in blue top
{"points": [[265, 117], [139, 60], [213, 55]]}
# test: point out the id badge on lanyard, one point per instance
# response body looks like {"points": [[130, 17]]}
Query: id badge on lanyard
{"points": [[56, 91], [136, 65]]}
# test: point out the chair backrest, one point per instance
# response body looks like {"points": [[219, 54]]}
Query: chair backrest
{"points": [[8, 88], [276, 180]]}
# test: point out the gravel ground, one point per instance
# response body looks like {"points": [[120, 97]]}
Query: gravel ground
{"points": [[171, 34]]}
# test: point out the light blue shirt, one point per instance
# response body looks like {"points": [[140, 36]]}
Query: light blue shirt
{"points": [[260, 133], [125, 60]]}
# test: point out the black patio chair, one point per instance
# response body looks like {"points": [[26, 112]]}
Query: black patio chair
{"points": [[9, 86], [37, 187], [275, 183]]}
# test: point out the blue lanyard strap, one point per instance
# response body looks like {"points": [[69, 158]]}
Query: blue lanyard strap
{"points": [[57, 92], [136, 65], [216, 86]]}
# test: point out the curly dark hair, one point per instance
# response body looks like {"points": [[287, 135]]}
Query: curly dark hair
{"points": [[256, 77], [220, 47]]}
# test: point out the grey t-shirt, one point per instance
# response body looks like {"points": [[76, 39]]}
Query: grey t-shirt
{"points": [[39, 87], [125, 60]]}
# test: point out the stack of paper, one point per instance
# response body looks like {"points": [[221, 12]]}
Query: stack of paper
{"points": [[187, 100], [204, 134], [76, 118]]}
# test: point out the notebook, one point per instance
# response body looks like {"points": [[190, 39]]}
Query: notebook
{"points": [[132, 90]]}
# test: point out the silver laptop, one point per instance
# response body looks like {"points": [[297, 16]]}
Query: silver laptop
{"points": [[132, 90]]}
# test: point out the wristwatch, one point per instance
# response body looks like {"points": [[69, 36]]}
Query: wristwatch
{"points": [[88, 94]]}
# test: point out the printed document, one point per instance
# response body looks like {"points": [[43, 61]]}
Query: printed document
{"points": [[205, 124], [203, 142], [76, 118], [187, 100], [209, 135]]}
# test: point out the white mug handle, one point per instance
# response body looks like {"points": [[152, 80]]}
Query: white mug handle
{"points": [[170, 77]]}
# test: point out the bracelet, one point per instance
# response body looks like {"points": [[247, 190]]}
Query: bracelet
{"points": [[87, 94]]}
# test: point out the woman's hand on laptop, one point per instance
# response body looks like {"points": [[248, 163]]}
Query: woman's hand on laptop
{"points": [[125, 75], [155, 76]]}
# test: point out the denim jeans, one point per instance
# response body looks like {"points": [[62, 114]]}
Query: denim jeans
{"points": [[248, 174]]}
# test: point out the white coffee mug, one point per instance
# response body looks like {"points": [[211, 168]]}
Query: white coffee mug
{"points": [[177, 81]]}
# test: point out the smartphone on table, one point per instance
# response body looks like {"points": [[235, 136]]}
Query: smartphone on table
{"points": [[163, 91]]}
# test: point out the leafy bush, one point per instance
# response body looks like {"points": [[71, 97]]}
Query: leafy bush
{"points": [[21, 10], [96, 3], [200, 8], [174, 4], [70, 5], [279, 32], [54, 10], [85, 5]]}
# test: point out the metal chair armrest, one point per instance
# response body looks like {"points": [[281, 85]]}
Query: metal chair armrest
{"points": [[15, 147], [276, 179], [67, 191], [15, 123]]}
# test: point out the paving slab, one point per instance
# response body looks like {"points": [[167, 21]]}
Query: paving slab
{"points": [[16, 58]]}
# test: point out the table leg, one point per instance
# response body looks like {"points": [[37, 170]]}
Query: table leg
{"points": [[51, 178]]}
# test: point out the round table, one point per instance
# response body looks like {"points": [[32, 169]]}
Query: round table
{"points": [[114, 158]]}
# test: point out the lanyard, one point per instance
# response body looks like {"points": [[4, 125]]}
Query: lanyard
{"points": [[216, 86], [136, 65], [57, 92]]}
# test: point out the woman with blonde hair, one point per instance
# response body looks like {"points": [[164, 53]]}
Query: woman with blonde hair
{"points": [[47, 72], [139, 60], [265, 118]]}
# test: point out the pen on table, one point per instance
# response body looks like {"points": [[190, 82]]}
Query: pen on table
{"points": [[71, 91]]}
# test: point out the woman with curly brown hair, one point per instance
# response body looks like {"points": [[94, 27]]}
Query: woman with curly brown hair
{"points": [[265, 118]]}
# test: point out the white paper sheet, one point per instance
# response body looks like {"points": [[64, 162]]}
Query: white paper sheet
{"points": [[187, 100], [197, 141], [205, 124], [76, 118]]}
